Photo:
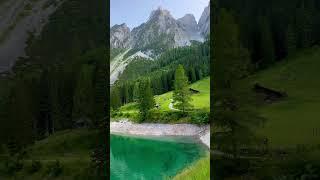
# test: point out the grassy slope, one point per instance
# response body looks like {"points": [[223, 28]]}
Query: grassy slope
{"points": [[293, 120], [200, 100], [198, 171], [71, 147]]}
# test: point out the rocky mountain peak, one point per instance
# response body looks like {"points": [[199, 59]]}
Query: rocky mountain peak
{"points": [[204, 22], [188, 22], [160, 12], [161, 31], [161, 17], [123, 25], [119, 36]]}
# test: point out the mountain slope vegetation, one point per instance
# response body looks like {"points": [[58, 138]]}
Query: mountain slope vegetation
{"points": [[160, 33], [298, 112], [60, 84], [265, 84], [165, 113], [160, 71]]}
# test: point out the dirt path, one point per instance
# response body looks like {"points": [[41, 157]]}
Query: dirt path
{"points": [[171, 106]]}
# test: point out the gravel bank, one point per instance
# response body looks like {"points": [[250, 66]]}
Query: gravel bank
{"points": [[151, 129]]}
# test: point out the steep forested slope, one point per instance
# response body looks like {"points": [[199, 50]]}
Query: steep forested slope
{"points": [[60, 84], [62, 78], [194, 58], [272, 29]]}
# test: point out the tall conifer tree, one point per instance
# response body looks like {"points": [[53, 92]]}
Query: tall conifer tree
{"points": [[181, 93]]}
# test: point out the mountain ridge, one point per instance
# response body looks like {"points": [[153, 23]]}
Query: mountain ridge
{"points": [[150, 39], [161, 29]]}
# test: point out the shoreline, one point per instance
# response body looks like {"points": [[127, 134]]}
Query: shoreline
{"points": [[124, 126]]}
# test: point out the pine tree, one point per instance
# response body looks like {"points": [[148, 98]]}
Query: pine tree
{"points": [[21, 113], [291, 40], [100, 108], [193, 75], [164, 83], [146, 101], [266, 43], [44, 117], [125, 91], [231, 64], [304, 18], [199, 74], [136, 92], [83, 98], [115, 99], [181, 94]]}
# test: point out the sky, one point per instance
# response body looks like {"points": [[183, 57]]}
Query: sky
{"points": [[136, 12]]}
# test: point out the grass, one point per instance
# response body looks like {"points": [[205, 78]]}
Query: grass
{"points": [[294, 120], [68, 142], [202, 99], [72, 148], [199, 101], [200, 170]]}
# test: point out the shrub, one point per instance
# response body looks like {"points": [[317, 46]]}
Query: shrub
{"points": [[12, 165], [200, 117], [113, 114], [55, 169], [164, 117], [13, 147], [35, 166]]}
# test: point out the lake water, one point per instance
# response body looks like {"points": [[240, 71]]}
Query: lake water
{"points": [[137, 158]]}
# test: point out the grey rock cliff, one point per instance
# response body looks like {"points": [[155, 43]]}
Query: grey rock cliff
{"points": [[19, 18], [119, 36], [161, 31], [204, 22]]}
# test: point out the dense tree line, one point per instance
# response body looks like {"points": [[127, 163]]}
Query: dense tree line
{"points": [[232, 62], [161, 71], [273, 29], [62, 79]]}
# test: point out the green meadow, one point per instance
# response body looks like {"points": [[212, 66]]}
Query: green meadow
{"points": [[200, 100], [71, 148], [295, 119]]}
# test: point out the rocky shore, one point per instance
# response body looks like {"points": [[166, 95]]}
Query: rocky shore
{"points": [[125, 126]]}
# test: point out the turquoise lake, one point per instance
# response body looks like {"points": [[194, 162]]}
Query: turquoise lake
{"points": [[138, 158]]}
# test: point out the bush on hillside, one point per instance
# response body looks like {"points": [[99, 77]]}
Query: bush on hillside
{"points": [[35, 166], [200, 117], [11, 166], [164, 117], [54, 169]]}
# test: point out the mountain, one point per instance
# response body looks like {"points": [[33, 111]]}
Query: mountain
{"points": [[189, 25], [150, 39], [120, 36], [120, 62], [161, 31], [17, 19], [204, 22]]}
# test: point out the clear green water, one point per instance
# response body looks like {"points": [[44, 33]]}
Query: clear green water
{"points": [[136, 158]]}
